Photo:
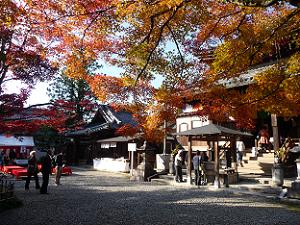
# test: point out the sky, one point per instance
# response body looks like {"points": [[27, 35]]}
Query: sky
{"points": [[39, 93]]}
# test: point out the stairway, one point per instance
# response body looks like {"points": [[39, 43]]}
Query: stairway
{"points": [[260, 165]]}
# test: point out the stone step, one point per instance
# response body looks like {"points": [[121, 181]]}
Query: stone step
{"points": [[261, 163], [250, 169], [257, 172], [257, 165], [259, 159], [261, 155]]}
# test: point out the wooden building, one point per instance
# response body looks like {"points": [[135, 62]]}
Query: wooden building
{"points": [[85, 144]]}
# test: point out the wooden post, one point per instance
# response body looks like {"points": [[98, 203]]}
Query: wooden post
{"points": [[217, 175], [189, 173], [233, 151], [275, 132], [165, 138]]}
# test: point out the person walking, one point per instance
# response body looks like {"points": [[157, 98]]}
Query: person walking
{"points": [[178, 166], [240, 148], [32, 170], [197, 170], [46, 170], [264, 139], [58, 167]]}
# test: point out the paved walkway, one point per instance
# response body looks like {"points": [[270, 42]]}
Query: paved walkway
{"points": [[93, 197]]}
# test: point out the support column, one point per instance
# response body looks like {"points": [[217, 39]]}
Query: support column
{"points": [[233, 152], [189, 169], [165, 138], [217, 175], [275, 131]]}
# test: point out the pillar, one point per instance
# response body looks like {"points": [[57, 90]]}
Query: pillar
{"points": [[275, 131], [217, 163], [165, 138], [233, 151], [189, 172]]}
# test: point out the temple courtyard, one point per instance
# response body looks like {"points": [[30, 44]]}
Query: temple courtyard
{"points": [[90, 197]]}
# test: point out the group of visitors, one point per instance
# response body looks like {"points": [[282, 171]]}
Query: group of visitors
{"points": [[200, 157], [199, 168], [198, 163], [47, 162], [7, 159]]}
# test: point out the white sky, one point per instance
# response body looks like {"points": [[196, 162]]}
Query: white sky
{"points": [[39, 93]]}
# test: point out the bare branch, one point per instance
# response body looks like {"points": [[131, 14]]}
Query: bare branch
{"points": [[39, 105], [174, 11], [177, 46], [217, 23]]}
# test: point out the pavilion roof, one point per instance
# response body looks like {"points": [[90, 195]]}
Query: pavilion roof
{"points": [[212, 130]]}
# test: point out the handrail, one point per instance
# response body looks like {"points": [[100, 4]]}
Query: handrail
{"points": [[150, 177], [154, 175]]}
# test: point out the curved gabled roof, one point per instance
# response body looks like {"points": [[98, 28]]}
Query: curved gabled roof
{"points": [[212, 129], [106, 118]]}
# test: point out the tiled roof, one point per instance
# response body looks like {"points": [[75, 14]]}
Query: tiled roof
{"points": [[212, 129], [105, 119]]}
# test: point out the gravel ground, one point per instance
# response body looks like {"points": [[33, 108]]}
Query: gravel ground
{"points": [[93, 197]]}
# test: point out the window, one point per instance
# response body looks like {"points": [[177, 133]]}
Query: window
{"points": [[183, 127], [197, 123], [104, 145], [113, 144]]}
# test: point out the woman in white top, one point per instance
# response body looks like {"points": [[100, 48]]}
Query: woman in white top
{"points": [[178, 166], [240, 147]]}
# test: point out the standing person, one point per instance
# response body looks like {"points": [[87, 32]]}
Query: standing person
{"points": [[204, 157], [46, 170], [178, 166], [196, 163], [32, 170], [58, 167], [264, 138], [240, 148], [2, 156], [12, 156]]}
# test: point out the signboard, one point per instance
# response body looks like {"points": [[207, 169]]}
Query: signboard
{"points": [[131, 147]]}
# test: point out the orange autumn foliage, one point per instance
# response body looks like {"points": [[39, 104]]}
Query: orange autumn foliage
{"points": [[210, 41]]}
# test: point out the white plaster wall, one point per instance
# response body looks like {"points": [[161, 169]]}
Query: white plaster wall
{"points": [[191, 122]]}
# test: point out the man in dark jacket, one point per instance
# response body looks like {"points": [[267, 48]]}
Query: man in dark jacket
{"points": [[46, 170], [32, 170]]}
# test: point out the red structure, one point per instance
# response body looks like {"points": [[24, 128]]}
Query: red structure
{"points": [[16, 149]]}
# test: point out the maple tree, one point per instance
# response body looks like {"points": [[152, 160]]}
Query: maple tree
{"points": [[22, 60], [252, 33], [190, 43], [74, 98]]}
